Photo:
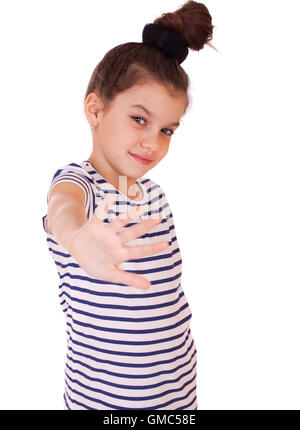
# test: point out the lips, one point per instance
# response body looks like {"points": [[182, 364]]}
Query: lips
{"points": [[140, 159]]}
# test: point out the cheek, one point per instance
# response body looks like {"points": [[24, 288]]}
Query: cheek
{"points": [[165, 149], [127, 138], [162, 153]]}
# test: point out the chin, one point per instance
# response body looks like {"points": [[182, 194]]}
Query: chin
{"points": [[134, 174], [130, 172]]}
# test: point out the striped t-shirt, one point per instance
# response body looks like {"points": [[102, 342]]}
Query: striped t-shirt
{"points": [[127, 348]]}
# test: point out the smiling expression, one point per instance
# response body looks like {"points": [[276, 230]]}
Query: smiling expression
{"points": [[139, 123]]}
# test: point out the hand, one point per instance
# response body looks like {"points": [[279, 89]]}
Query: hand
{"points": [[99, 247]]}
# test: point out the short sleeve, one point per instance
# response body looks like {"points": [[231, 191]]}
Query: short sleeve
{"points": [[74, 173]]}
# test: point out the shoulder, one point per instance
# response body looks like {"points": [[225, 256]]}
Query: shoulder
{"points": [[74, 170], [75, 173]]}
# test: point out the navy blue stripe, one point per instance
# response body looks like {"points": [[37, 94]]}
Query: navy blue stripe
{"points": [[133, 365], [128, 319], [74, 164], [123, 307], [127, 342], [57, 173], [150, 213], [155, 257], [154, 187], [128, 376], [127, 331], [140, 260], [87, 407], [189, 404], [49, 239], [66, 403], [62, 254], [87, 398], [132, 354], [118, 202], [130, 387], [169, 216], [86, 278], [145, 181], [80, 403], [168, 255], [103, 181], [128, 398], [63, 266], [160, 406], [120, 295], [154, 270]]}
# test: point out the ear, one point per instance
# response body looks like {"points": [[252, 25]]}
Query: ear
{"points": [[92, 109]]}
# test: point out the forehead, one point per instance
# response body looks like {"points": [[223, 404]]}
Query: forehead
{"points": [[158, 99]]}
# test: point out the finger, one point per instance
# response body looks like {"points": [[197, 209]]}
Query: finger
{"points": [[133, 212], [118, 223], [139, 251], [138, 229], [125, 218], [118, 275], [104, 206]]}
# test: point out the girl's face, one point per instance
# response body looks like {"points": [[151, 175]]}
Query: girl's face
{"points": [[127, 128]]}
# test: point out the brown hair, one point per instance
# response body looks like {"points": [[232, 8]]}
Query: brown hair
{"points": [[135, 63]]}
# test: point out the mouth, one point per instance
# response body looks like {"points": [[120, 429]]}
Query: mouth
{"points": [[140, 159]]}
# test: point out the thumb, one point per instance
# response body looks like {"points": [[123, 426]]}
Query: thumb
{"points": [[104, 206]]}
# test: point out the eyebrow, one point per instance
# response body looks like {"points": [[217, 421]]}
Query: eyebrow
{"points": [[151, 114]]}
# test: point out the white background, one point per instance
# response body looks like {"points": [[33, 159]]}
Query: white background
{"points": [[231, 177]]}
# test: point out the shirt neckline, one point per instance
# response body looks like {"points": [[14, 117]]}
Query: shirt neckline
{"points": [[110, 186]]}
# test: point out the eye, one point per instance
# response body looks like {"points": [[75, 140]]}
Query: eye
{"points": [[172, 132], [139, 117]]}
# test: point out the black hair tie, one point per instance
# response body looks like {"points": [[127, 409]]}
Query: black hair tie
{"points": [[172, 43]]}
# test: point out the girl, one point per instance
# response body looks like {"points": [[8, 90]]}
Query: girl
{"points": [[129, 344]]}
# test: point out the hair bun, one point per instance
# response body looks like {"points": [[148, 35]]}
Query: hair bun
{"points": [[192, 21], [172, 43]]}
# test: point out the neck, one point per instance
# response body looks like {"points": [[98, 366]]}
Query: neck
{"points": [[124, 184]]}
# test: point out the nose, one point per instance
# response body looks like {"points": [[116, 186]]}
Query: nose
{"points": [[150, 144]]}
